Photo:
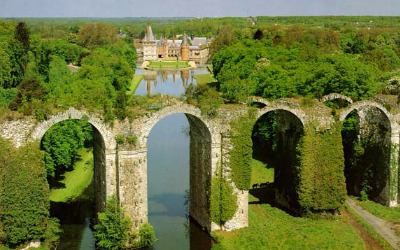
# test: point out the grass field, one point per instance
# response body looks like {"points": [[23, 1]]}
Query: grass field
{"points": [[168, 65], [135, 84], [261, 174], [77, 180], [273, 228], [204, 78]]}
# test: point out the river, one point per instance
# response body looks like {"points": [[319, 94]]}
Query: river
{"points": [[168, 177]]}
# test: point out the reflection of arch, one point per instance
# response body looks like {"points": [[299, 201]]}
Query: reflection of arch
{"points": [[334, 96], [200, 159], [100, 135]]}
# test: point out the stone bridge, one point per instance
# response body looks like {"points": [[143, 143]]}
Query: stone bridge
{"points": [[121, 168]]}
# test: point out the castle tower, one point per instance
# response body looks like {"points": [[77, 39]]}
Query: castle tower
{"points": [[149, 45], [184, 49]]}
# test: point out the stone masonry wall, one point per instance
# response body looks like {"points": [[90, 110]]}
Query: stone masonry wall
{"points": [[122, 169], [200, 172]]}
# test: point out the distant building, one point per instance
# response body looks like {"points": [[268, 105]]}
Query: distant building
{"points": [[188, 49], [149, 46]]}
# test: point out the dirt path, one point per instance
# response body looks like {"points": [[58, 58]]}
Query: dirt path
{"points": [[384, 228]]}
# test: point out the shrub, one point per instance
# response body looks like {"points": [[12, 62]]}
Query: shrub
{"points": [[240, 155], [223, 200], [146, 234], [112, 231]]}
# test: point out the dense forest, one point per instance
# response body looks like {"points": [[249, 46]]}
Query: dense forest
{"points": [[271, 57]]}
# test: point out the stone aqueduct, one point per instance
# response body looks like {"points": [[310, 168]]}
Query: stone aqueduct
{"points": [[121, 169]]}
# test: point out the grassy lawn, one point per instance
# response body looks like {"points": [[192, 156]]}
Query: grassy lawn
{"points": [[77, 180], [135, 84], [261, 174], [204, 78], [168, 65], [272, 228]]}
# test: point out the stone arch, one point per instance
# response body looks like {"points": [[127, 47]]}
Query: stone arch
{"points": [[334, 96], [287, 134], [259, 100], [375, 123], [296, 112], [200, 160], [358, 105], [73, 114], [102, 138], [147, 123]]}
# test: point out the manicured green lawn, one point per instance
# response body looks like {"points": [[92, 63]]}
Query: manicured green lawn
{"points": [[168, 65], [261, 174], [135, 84], [204, 78], [77, 180]]}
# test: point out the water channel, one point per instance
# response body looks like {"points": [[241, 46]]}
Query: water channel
{"points": [[168, 177]]}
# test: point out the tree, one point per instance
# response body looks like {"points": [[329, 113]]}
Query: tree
{"points": [[5, 68], [112, 231], [95, 35], [258, 35], [18, 60], [22, 35], [225, 37], [29, 90], [24, 203], [61, 143]]}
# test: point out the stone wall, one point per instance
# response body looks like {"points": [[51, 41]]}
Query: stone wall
{"points": [[200, 172], [100, 170], [122, 169], [132, 176]]}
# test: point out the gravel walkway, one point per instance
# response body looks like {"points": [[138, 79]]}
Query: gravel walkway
{"points": [[382, 227]]}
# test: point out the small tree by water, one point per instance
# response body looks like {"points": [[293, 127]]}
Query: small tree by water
{"points": [[114, 229]]}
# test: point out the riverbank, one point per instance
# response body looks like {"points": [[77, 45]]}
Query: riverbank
{"points": [[169, 65]]}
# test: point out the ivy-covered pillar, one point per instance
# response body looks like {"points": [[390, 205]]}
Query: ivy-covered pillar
{"points": [[231, 176], [394, 187], [321, 180]]}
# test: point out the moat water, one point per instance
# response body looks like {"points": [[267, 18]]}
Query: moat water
{"points": [[168, 82], [168, 179]]}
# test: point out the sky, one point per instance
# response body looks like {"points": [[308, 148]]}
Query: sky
{"points": [[193, 8]]}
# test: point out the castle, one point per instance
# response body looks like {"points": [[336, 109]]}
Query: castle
{"points": [[187, 49]]}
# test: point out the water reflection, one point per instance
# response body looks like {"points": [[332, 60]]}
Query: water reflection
{"points": [[168, 82], [168, 184], [75, 223]]}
